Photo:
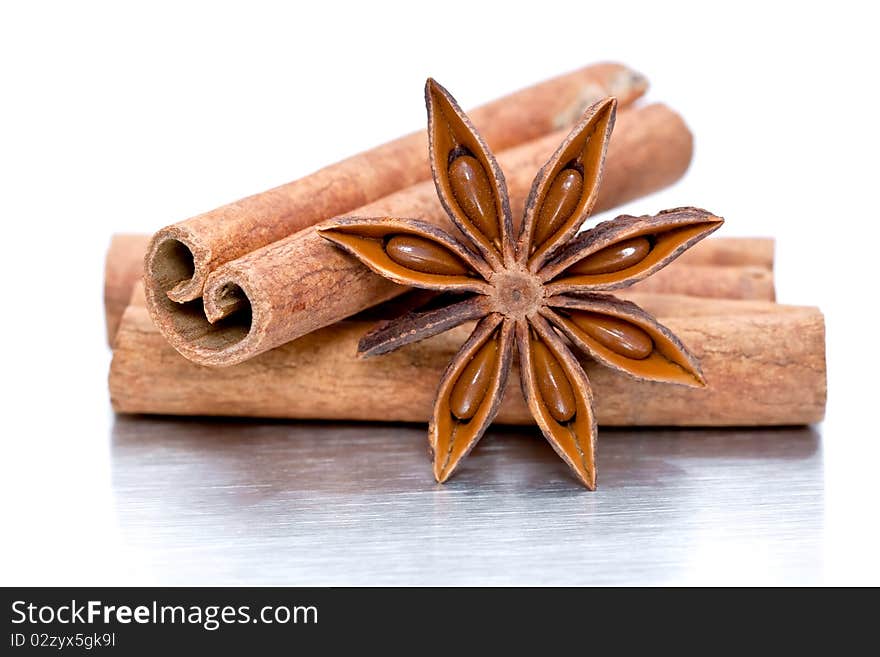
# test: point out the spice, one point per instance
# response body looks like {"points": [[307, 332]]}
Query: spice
{"points": [[723, 267], [182, 256], [529, 289], [300, 283], [765, 361]]}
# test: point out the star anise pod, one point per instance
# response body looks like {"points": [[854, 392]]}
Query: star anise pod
{"points": [[540, 290]]}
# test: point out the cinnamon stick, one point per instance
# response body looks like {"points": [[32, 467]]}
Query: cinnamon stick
{"points": [[301, 283], [765, 365], [741, 251], [123, 267], [679, 305], [186, 252], [721, 282]]}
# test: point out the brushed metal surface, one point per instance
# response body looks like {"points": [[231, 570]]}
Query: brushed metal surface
{"points": [[245, 502]]}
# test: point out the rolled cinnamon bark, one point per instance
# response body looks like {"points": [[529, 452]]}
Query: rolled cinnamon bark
{"points": [[125, 256], [720, 282], [123, 267], [764, 366], [182, 255], [301, 283], [734, 251], [681, 305]]}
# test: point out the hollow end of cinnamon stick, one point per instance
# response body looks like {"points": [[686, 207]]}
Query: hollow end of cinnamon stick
{"points": [[176, 266]]}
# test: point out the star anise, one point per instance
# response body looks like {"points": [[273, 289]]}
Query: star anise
{"points": [[540, 290]]}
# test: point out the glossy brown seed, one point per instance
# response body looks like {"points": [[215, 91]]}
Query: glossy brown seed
{"points": [[616, 257], [559, 204], [552, 383], [616, 334], [420, 254], [471, 188], [473, 384]]}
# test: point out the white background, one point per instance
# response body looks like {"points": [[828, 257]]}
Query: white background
{"points": [[120, 117]]}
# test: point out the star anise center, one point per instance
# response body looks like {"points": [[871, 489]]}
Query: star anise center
{"points": [[516, 293]]}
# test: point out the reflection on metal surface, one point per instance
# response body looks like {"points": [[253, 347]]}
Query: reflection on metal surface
{"points": [[234, 502]]}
